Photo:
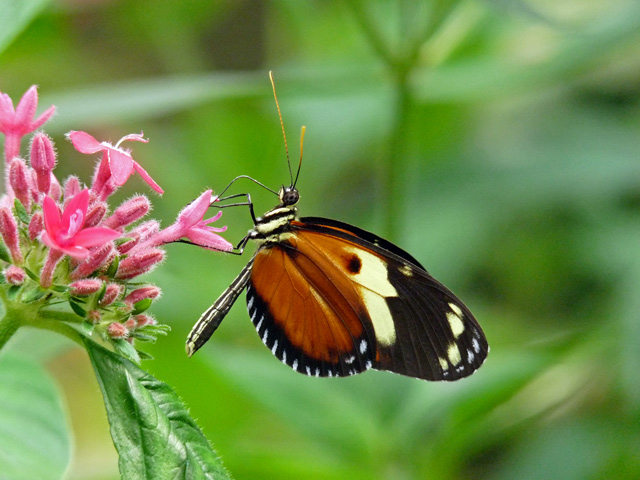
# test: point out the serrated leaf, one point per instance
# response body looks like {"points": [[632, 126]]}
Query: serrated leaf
{"points": [[144, 414], [21, 212], [102, 291], [34, 439], [141, 306], [126, 349], [77, 309]]}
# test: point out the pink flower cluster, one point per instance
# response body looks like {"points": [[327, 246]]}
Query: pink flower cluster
{"points": [[62, 242]]}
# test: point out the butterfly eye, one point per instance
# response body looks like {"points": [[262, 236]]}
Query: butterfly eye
{"points": [[290, 196]]}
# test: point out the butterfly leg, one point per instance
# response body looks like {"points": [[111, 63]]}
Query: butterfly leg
{"points": [[213, 316]]}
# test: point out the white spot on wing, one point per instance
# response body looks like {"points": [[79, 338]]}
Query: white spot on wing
{"points": [[363, 346], [470, 356], [456, 309], [476, 345], [454, 354], [443, 364], [264, 337], [368, 365], [260, 322], [250, 303], [380, 315], [350, 360], [275, 347], [373, 285], [455, 322], [406, 271], [308, 371], [295, 365]]}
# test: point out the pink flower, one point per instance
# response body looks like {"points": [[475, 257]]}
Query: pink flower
{"points": [[66, 233], [190, 224], [116, 161], [18, 122]]}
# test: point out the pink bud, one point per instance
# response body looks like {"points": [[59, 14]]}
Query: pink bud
{"points": [[55, 191], [20, 179], [117, 330], [130, 324], [36, 225], [139, 263], [141, 293], [99, 258], [43, 160], [49, 268], [85, 286], [95, 213], [143, 319], [111, 294], [71, 188], [133, 209], [94, 316], [14, 275], [9, 231]]}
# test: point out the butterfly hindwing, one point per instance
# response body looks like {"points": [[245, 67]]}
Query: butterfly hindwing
{"points": [[307, 312]]}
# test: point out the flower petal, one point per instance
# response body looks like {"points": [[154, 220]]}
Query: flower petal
{"points": [[75, 251], [85, 143], [121, 165], [78, 202], [193, 213], [26, 108], [90, 237], [208, 239], [6, 108], [147, 178], [46, 115], [51, 216]]}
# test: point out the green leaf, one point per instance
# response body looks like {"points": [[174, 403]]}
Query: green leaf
{"points": [[34, 442], [21, 212], [77, 309], [141, 306], [127, 350], [16, 16], [151, 428], [4, 253], [32, 275]]}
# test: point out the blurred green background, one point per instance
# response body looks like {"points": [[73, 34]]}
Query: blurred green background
{"points": [[498, 141]]}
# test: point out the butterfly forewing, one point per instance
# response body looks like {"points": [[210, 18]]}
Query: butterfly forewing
{"points": [[307, 312]]}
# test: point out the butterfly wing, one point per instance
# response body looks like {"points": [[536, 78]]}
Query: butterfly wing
{"points": [[332, 299]]}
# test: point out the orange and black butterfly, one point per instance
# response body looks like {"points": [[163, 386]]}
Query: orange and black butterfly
{"points": [[330, 300]]}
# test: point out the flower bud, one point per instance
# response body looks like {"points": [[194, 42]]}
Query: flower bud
{"points": [[138, 235], [139, 263], [138, 294], [117, 330], [14, 275], [111, 294], [133, 209], [43, 160], [20, 179], [36, 225], [99, 258], [9, 232], [71, 188], [95, 213], [86, 286]]}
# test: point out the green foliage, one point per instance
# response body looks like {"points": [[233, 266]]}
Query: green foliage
{"points": [[151, 428], [34, 438], [496, 141]]}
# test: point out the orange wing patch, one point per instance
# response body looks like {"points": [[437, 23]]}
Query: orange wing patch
{"points": [[312, 301]]}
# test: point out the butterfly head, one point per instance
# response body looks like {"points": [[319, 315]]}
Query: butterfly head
{"points": [[289, 196]]}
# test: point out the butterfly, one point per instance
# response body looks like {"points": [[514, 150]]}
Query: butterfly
{"points": [[330, 300]]}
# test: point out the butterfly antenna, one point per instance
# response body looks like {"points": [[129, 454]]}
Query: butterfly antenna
{"points": [[284, 135], [304, 129]]}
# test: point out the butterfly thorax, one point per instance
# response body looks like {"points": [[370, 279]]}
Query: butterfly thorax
{"points": [[274, 226]]}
